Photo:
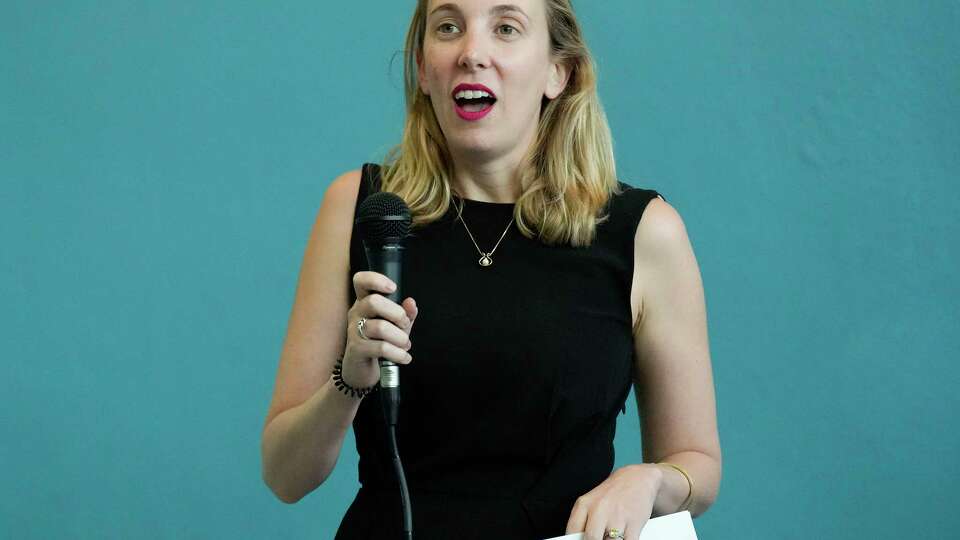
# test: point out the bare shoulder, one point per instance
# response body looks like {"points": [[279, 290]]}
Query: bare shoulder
{"points": [[662, 253], [334, 221], [661, 230], [343, 190]]}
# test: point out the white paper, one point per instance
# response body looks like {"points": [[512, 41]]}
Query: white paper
{"points": [[678, 526]]}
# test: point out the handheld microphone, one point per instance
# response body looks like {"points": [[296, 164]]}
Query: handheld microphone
{"points": [[383, 221]]}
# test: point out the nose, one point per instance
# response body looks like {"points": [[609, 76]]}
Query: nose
{"points": [[475, 54]]}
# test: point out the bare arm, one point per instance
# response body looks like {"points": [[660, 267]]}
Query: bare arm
{"points": [[674, 380], [308, 417]]}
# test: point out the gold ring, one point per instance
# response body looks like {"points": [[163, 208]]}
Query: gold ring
{"points": [[615, 533]]}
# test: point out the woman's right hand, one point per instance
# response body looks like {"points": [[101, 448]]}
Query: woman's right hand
{"points": [[387, 329]]}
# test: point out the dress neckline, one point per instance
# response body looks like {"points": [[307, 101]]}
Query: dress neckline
{"points": [[486, 204]]}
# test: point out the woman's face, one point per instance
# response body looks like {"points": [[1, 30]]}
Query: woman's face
{"points": [[504, 48]]}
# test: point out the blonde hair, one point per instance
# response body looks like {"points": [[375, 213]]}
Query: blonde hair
{"points": [[566, 177]]}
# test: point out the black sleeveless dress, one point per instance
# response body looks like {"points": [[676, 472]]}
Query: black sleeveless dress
{"points": [[509, 408]]}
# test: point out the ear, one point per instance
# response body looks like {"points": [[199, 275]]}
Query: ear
{"points": [[557, 80], [421, 74]]}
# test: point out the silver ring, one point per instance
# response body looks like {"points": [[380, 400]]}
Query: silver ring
{"points": [[360, 324], [615, 533]]}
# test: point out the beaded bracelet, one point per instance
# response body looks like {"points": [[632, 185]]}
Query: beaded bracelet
{"points": [[346, 388]]}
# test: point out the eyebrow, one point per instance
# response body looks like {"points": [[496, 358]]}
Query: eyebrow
{"points": [[495, 10]]}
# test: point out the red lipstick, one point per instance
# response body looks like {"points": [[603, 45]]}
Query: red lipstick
{"points": [[472, 115]]}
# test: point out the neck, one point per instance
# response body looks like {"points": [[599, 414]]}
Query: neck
{"points": [[481, 177], [489, 182]]}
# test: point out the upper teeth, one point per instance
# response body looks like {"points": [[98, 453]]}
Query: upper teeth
{"points": [[471, 94]]}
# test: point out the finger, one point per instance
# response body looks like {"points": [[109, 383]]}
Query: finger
{"points": [[379, 329], [376, 306], [621, 526], [410, 306], [633, 530], [375, 348], [366, 282], [596, 527], [578, 517]]}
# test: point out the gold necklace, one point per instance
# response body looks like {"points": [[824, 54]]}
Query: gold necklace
{"points": [[486, 259]]}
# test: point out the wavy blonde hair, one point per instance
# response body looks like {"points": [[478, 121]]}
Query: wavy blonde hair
{"points": [[566, 177]]}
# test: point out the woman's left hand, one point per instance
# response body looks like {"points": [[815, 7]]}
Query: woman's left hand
{"points": [[624, 501]]}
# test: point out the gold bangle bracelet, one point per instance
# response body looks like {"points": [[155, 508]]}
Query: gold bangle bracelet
{"points": [[686, 502]]}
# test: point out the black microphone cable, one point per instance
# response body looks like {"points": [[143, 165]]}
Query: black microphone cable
{"points": [[388, 411]]}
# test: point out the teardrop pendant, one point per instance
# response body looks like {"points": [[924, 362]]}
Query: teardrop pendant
{"points": [[486, 260]]}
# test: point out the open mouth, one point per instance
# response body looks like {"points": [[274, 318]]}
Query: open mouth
{"points": [[474, 108], [475, 104]]}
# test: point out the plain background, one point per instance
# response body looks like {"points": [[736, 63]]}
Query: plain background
{"points": [[161, 164]]}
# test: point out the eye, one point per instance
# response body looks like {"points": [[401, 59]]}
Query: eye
{"points": [[444, 25], [514, 30]]}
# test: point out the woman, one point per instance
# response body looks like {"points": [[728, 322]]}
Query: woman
{"points": [[539, 295]]}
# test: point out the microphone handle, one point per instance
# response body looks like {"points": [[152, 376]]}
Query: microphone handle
{"points": [[386, 259]]}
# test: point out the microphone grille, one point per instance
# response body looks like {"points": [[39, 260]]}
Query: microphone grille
{"points": [[383, 217]]}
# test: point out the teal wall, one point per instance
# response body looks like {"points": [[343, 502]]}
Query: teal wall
{"points": [[161, 164]]}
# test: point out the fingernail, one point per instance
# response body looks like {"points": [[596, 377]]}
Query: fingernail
{"points": [[391, 287], [409, 358]]}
